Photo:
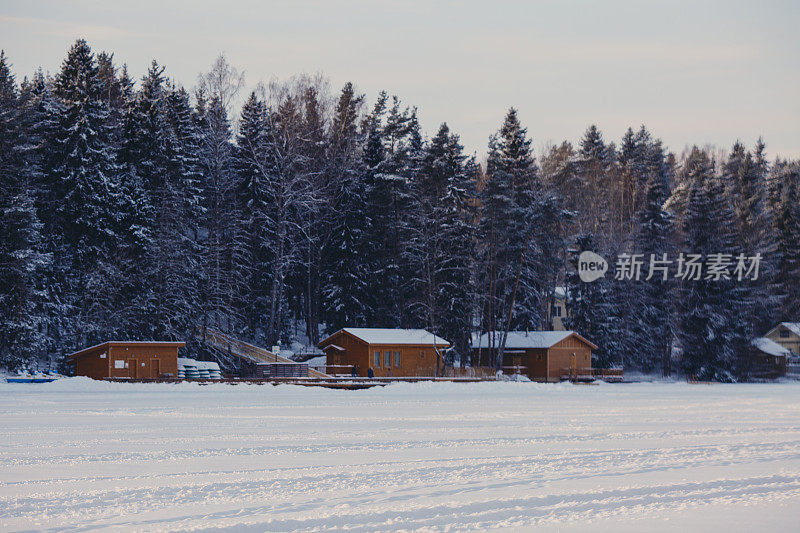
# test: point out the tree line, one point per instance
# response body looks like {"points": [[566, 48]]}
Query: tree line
{"points": [[138, 210]]}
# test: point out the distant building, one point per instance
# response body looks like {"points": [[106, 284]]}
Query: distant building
{"points": [[127, 359], [540, 355], [557, 309], [787, 334], [389, 352], [768, 359]]}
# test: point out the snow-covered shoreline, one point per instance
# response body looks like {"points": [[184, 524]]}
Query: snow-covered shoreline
{"points": [[81, 454]]}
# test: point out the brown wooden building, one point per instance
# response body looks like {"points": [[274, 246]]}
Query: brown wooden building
{"points": [[128, 359], [787, 334], [389, 352], [540, 355], [768, 359]]}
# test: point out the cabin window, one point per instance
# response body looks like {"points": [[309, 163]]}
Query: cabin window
{"points": [[387, 359], [422, 355], [377, 358], [784, 333], [557, 311], [396, 358]]}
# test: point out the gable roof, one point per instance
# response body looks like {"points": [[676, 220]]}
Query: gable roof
{"points": [[517, 340], [393, 336], [794, 327], [107, 344], [770, 347]]}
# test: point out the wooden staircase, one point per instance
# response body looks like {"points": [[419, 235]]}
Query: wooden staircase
{"points": [[230, 346]]}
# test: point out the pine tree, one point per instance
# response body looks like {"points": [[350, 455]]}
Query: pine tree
{"points": [[255, 167], [651, 307], [785, 214], [592, 308], [346, 278], [520, 229], [88, 202], [440, 247], [23, 260], [714, 332]]}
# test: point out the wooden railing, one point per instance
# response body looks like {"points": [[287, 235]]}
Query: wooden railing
{"points": [[588, 374], [232, 346]]}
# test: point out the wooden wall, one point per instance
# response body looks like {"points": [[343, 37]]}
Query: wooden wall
{"points": [[128, 361], [415, 360]]}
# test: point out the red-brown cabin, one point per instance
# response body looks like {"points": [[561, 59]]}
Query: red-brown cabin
{"points": [[389, 352], [128, 359], [540, 355]]}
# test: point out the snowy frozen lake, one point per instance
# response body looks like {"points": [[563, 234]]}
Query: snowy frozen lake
{"points": [[78, 455]]}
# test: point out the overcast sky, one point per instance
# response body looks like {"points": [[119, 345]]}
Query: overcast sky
{"points": [[694, 72]]}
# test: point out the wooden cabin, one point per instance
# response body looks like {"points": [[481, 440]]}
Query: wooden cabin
{"points": [[540, 355], [768, 359], [787, 334], [388, 352], [128, 359]]}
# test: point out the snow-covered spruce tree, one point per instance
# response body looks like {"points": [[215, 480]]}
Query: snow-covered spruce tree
{"points": [[440, 249], [745, 175], [220, 282], [595, 169], [714, 333], [88, 202], [255, 166], [391, 156], [24, 263], [785, 214], [592, 308], [346, 280], [521, 245], [652, 305], [161, 156]]}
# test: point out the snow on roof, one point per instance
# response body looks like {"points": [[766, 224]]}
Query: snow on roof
{"points": [[560, 292], [794, 327], [179, 344], [525, 339], [395, 336], [770, 347]]}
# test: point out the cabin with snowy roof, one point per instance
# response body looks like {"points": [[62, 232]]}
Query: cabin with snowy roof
{"points": [[787, 334], [128, 359], [388, 352], [768, 359], [540, 355]]}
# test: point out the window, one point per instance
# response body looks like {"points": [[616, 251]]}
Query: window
{"points": [[557, 311], [377, 358], [396, 358], [422, 355], [784, 333], [387, 359]]}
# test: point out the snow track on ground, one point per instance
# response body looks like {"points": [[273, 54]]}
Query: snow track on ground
{"points": [[80, 455]]}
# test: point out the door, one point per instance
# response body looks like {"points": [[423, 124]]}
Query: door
{"points": [[155, 368], [132, 370]]}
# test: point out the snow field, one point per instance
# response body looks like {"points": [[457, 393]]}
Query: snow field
{"points": [[79, 455]]}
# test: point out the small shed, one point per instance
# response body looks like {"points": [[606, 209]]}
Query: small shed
{"points": [[540, 355], [388, 352], [787, 334], [128, 359], [768, 359]]}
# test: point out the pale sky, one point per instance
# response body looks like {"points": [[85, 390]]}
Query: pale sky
{"points": [[695, 72]]}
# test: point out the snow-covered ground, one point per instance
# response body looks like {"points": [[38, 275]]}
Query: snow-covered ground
{"points": [[78, 455]]}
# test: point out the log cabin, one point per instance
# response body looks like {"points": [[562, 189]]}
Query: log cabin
{"points": [[388, 352], [541, 355], [787, 334], [128, 359]]}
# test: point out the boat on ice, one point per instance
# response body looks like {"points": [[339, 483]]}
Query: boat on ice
{"points": [[37, 377]]}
